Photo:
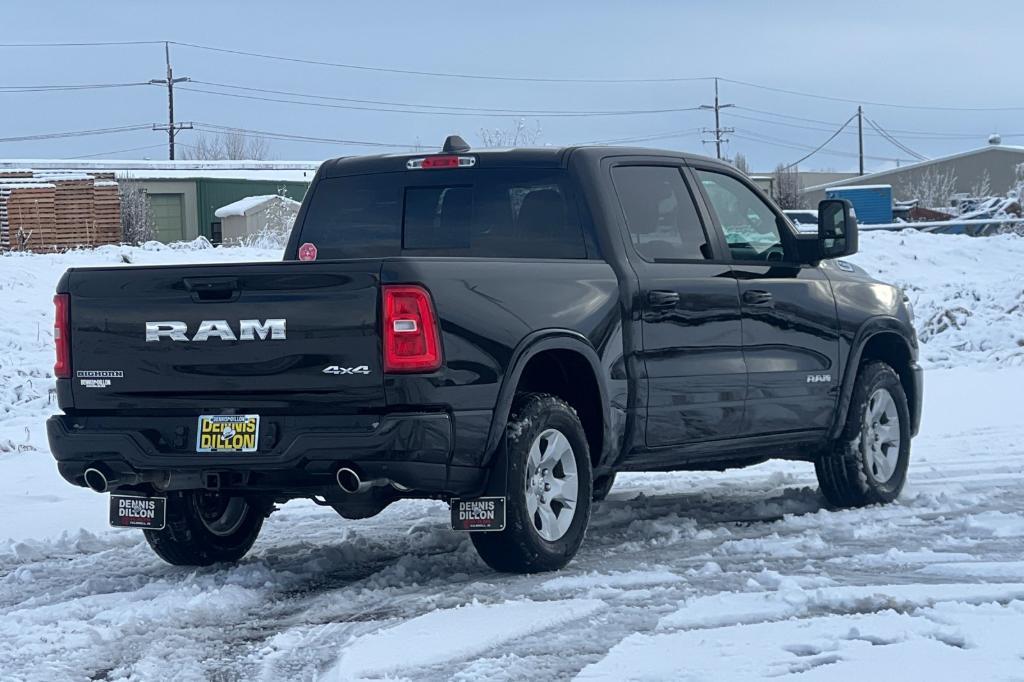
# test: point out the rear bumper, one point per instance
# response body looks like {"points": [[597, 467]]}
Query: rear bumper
{"points": [[297, 453]]}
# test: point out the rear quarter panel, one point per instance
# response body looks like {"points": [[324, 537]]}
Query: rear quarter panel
{"points": [[487, 308]]}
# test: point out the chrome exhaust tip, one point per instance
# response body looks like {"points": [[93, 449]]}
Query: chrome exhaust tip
{"points": [[349, 481], [96, 480]]}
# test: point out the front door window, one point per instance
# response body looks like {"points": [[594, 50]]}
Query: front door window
{"points": [[751, 227]]}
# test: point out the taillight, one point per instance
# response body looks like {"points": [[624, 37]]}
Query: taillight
{"points": [[411, 339], [62, 337]]}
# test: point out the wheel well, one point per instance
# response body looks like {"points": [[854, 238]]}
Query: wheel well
{"points": [[568, 375], [892, 349]]}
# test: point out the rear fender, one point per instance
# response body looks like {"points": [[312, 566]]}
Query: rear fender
{"points": [[537, 342]]}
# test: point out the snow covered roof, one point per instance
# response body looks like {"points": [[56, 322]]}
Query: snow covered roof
{"points": [[247, 205], [282, 171], [860, 186], [920, 164]]}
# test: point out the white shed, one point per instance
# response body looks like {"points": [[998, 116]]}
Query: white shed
{"points": [[255, 215]]}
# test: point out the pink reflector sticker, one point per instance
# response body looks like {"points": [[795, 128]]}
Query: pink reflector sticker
{"points": [[307, 251]]}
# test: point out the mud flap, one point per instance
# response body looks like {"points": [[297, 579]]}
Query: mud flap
{"points": [[479, 514], [128, 511], [487, 512]]}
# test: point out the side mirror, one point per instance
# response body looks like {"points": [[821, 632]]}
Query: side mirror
{"points": [[837, 228]]}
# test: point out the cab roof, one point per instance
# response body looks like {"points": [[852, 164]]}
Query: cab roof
{"points": [[522, 157]]}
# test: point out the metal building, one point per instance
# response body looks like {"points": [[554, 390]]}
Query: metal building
{"points": [[995, 165]]}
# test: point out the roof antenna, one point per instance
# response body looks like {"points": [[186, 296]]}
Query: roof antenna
{"points": [[454, 143]]}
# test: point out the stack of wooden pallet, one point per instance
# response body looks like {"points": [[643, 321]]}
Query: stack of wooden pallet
{"points": [[107, 212], [73, 210], [27, 219], [57, 210]]}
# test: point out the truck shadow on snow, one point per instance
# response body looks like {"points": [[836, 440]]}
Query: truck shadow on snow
{"points": [[431, 555]]}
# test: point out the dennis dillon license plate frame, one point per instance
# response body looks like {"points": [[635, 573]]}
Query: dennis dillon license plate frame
{"points": [[230, 433]]}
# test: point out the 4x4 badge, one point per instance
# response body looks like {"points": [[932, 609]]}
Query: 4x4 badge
{"points": [[335, 369]]}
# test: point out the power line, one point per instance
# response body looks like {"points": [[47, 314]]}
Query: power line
{"points": [[847, 100], [798, 126], [109, 43], [789, 144], [477, 114], [646, 138], [119, 151], [919, 134], [896, 143], [438, 74], [246, 132], [532, 79], [60, 88], [76, 133], [443, 109], [822, 145]]}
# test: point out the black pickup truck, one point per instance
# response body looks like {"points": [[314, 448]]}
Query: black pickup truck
{"points": [[504, 330]]}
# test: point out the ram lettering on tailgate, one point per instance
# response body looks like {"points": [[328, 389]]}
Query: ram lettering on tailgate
{"points": [[248, 330]]}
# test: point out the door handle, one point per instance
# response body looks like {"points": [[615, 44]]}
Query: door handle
{"points": [[662, 299], [212, 289], [757, 297]]}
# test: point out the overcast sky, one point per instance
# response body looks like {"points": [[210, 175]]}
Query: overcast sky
{"points": [[942, 54]]}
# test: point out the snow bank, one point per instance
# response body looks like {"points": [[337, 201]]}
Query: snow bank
{"points": [[27, 283], [967, 292]]}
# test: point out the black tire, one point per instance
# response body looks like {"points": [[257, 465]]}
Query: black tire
{"points": [[520, 548], [848, 473], [197, 535], [603, 486]]}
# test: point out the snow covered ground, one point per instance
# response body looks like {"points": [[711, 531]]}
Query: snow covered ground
{"points": [[702, 576]]}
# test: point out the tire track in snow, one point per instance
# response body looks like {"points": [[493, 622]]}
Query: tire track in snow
{"points": [[289, 609]]}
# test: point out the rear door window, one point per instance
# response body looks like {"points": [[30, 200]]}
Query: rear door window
{"points": [[491, 213], [660, 213]]}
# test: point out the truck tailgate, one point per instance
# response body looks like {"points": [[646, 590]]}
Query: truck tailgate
{"points": [[245, 336]]}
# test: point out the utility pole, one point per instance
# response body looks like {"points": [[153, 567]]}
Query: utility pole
{"points": [[719, 131], [860, 137], [172, 128]]}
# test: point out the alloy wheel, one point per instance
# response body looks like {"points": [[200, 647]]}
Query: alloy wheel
{"points": [[552, 484]]}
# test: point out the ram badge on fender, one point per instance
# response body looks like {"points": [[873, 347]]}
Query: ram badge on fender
{"points": [[504, 330]]}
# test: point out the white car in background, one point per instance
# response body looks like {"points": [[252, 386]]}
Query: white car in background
{"points": [[805, 219]]}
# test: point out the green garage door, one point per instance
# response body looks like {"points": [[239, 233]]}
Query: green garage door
{"points": [[168, 216]]}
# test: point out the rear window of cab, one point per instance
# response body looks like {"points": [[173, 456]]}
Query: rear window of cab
{"points": [[490, 213]]}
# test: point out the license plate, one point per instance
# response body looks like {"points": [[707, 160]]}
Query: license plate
{"points": [[127, 511], [228, 433], [479, 514]]}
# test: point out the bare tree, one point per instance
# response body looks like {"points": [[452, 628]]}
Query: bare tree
{"points": [[983, 187], [786, 187], [235, 146], [519, 135], [136, 218], [22, 238], [740, 161], [931, 189]]}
